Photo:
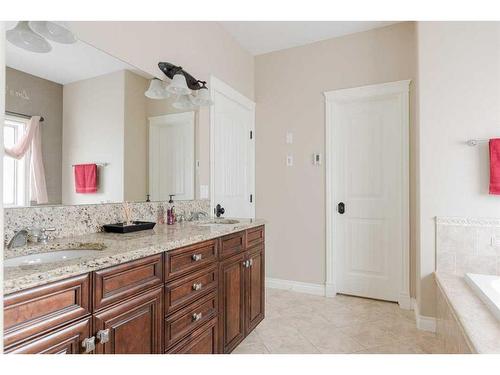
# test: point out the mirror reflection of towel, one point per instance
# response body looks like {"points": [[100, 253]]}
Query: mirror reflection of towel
{"points": [[86, 178], [495, 166]]}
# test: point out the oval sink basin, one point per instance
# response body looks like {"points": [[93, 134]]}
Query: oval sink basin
{"points": [[50, 257], [219, 222]]}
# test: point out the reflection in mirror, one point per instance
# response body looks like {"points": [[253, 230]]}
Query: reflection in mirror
{"points": [[95, 112]]}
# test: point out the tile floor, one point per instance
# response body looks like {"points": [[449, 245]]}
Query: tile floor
{"points": [[303, 323]]}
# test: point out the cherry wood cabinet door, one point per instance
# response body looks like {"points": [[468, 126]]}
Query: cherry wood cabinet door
{"points": [[67, 340], [131, 327], [254, 289], [202, 341], [232, 303]]}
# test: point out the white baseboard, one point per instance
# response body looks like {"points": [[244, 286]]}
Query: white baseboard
{"points": [[424, 323], [405, 301], [296, 286], [330, 290]]}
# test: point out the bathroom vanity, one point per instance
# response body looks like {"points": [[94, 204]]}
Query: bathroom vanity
{"points": [[185, 288]]}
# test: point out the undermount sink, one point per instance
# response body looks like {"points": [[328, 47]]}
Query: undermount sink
{"points": [[49, 257], [219, 222]]}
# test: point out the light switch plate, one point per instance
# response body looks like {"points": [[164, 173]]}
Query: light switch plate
{"points": [[289, 138], [289, 160], [495, 241]]}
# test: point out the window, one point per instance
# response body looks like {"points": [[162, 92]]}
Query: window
{"points": [[15, 172]]}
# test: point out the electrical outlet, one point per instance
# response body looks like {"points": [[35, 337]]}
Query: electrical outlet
{"points": [[289, 138], [289, 160]]}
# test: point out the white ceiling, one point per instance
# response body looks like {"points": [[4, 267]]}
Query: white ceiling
{"points": [[259, 37], [66, 63]]}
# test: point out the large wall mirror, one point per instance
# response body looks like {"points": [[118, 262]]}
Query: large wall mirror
{"points": [[94, 111]]}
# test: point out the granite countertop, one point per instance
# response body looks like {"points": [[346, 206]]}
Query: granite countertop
{"points": [[113, 249], [479, 324]]}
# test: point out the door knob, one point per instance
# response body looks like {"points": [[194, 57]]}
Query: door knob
{"points": [[341, 208], [219, 210]]}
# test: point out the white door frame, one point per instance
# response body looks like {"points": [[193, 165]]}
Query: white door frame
{"points": [[172, 118], [217, 85], [400, 88]]}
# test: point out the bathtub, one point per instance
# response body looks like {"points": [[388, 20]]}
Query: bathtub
{"points": [[487, 287]]}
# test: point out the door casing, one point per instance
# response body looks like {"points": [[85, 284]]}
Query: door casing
{"points": [[400, 88], [216, 85]]}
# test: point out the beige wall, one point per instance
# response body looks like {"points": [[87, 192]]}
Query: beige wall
{"points": [[45, 99], [289, 95], [459, 80], [135, 161], [202, 48], [93, 131]]}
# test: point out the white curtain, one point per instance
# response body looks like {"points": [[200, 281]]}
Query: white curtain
{"points": [[32, 138]]}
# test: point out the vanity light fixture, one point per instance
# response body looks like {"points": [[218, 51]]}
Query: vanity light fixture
{"points": [[184, 102], [53, 30], [179, 85], [184, 84], [24, 37], [157, 90], [202, 98]]}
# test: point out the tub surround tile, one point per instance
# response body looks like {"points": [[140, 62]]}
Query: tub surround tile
{"points": [[465, 245], [464, 321], [115, 249]]}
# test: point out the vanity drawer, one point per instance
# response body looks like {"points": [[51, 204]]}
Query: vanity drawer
{"points": [[38, 310], [201, 341], [190, 258], [255, 236], [232, 244], [185, 290], [119, 282], [185, 321]]}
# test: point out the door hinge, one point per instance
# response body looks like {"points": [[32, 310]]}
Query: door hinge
{"points": [[251, 198], [251, 134]]}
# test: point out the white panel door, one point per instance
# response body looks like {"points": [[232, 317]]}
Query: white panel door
{"points": [[232, 149], [171, 156], [368, 180]]}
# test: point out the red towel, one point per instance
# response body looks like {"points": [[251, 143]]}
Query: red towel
{"points": [[86, 178], [495, 166]]}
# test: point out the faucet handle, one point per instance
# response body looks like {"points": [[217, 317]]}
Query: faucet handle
{"points": [[43, 237]]}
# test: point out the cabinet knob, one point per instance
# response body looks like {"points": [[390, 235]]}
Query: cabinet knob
{"points": [[196, 317], [245, 264], [196, 257], [250, 262], [103, 336], [197, 286], [89, 344]]}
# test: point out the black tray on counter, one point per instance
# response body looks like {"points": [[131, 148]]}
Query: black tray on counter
{"points": [[135, 227]]}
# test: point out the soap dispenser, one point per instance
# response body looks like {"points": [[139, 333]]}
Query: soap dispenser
{"points": [[170, 210]]}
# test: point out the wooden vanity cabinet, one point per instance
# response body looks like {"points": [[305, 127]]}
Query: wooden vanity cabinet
{"points": [[201, 299], [133, 326], [241, 290], [66, 340]]}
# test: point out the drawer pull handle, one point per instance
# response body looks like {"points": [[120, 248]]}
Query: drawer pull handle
{"points": [[103, 336], [197, 286], [196, 317], [89, 344], [196, 257]]}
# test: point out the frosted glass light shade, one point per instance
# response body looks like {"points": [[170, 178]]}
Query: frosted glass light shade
{"points": [[179, 85], [55, 31], [23, 37], [203, 98], [157, 90], [184, 102]]}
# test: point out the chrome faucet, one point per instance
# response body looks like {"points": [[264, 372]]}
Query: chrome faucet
{"points": [[19, 239], [197, 214], [40, 235]]}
